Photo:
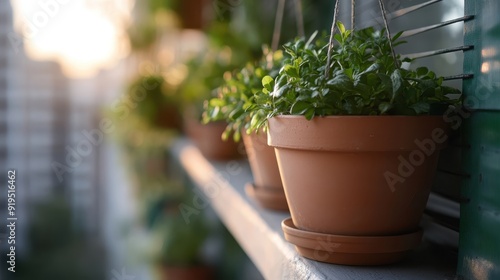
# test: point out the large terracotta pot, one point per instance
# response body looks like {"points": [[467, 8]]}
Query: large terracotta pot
{"points": [[357, 175], [207, 137], [267, 188]]}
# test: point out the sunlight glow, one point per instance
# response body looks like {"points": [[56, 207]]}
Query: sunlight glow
{"points": [[84, 36]]}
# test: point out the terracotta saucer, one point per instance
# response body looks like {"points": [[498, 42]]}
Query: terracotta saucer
{"points": [[267, 197], [350, 250]]}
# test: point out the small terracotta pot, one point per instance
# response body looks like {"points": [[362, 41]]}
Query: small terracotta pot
{"points": [[267, 189], [193, 14], [186, 273], [357, 175], [207, 137], [169, 118]]}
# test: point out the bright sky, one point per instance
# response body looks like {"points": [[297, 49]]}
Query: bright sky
{"points": [[82, 35]]}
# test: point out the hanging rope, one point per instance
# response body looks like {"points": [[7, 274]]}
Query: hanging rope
{"points": [[277, 25], [300, 18], [384, 16], [353, 22], [353, 14], [330, 44]]}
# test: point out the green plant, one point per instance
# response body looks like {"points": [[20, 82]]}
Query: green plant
{"points": [[364, 79], [181, 239], [236, 101], [226, 51], [151, 96], [57, 246], [142, 35], [158, 5]]}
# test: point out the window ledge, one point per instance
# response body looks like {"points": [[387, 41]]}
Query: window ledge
{"points": [[258, 231]]}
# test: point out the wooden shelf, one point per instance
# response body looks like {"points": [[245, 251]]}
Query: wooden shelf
{"points": [[258, 231]]}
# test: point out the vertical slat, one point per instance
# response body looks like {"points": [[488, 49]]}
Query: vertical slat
{"points": [[479, 250], [480, 213]]}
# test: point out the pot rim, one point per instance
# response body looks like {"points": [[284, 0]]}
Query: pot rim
{"points": [[357, 133]]}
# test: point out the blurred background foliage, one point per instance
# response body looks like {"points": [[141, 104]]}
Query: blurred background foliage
{"points": [[180, 52], [234, 33], [160, 92], [59, 250]]}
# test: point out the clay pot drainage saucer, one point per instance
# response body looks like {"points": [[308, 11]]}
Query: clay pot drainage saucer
{"points": [[350, 250], [267, 197]]}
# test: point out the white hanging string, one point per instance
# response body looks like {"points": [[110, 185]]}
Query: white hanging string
{"points": [[353, 14], [330, 43], [353, 22], [384, 16], [300, 18], [277, 25]]}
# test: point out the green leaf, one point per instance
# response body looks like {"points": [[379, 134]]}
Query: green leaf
{"points": [[310, 113], [338, 38], [384, 107], [374, 67], [291, 71], [225, 136], [268, 83], [372, 79], [299, 108], [421, 107], [450, 90], [349, 72], [282, 80], [278, 92], [215, 113], [237, 136], [395, 37], [427, 83], [235, 114], [397, 82], [340, 81], [216, 102], [254, 121], [311, 38], [259, 72], [422, 71], [341, 27]]}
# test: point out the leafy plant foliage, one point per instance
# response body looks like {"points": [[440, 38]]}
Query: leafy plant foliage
{"points": [[149, 93], [226, 51], [364, 79], [236, 101]]}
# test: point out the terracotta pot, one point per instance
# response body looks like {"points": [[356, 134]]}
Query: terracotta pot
{"points": [[168, 118], [193, 13], [267, 189], [208, 140], [357, 175], [186, 273]]}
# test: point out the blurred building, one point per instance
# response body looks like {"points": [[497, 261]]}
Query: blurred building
{"points": [[8, 88], [35, 127], [5, 28]]}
